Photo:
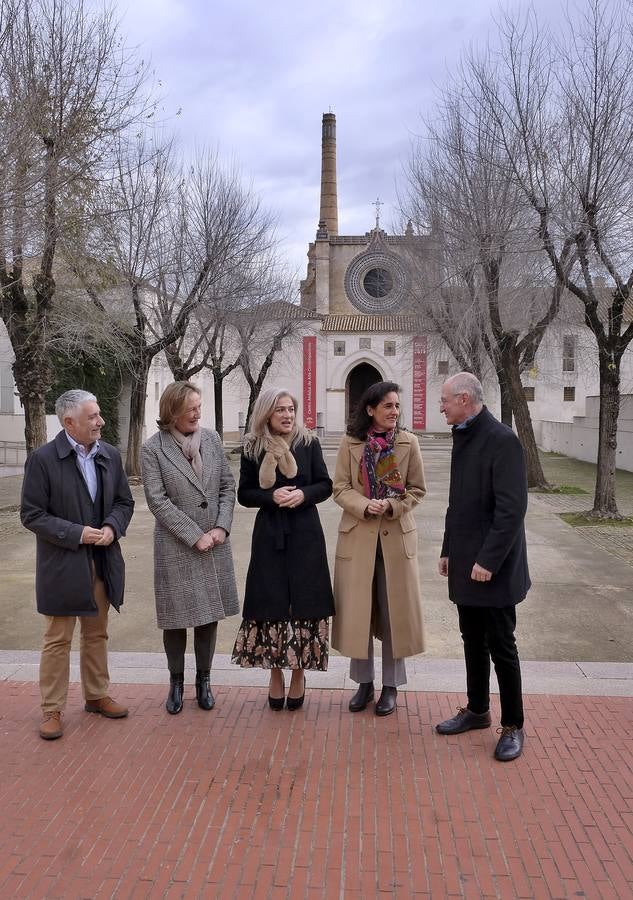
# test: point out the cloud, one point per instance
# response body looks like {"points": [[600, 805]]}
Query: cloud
{"points": [[254, 79]]}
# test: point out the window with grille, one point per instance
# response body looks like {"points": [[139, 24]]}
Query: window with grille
{"points": [[339, 348], [529, 393], [569, 353], [442, 367], [569, 393], [390, 348]]}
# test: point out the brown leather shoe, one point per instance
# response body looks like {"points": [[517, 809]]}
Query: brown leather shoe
{"points": [[51, 727], [107, 707]]}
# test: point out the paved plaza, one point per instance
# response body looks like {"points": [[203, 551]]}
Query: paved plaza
{"points": [[245, 802]]}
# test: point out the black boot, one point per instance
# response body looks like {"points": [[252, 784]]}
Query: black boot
{"points": [[205, 698], [363, 696], [387, 701], [173, 704]]}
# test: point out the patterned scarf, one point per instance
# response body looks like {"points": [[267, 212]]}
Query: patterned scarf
{"points": [[378, 471], [190, 446]]}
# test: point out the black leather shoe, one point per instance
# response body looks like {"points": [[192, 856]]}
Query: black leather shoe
{"points": [[204, 695], [173, 704], [465, 720], [293, 703], [510, 744], [363, 696], [387, 701]]}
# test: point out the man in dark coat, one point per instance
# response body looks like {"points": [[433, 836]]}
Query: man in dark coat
{"points": [[76, 498], [485, 558]]}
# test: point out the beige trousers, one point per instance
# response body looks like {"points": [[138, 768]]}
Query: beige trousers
{"points": [[93, 655]]}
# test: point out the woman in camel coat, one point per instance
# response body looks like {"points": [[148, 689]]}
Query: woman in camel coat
{"points": [[376, 578]]}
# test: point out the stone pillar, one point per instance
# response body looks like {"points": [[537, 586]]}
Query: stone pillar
{"points": [[328, 216]]}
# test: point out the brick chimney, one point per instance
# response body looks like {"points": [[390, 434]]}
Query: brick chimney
{"points": [[328, 217]]}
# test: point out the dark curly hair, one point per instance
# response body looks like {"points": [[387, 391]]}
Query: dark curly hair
{"points": [[359, 421]]}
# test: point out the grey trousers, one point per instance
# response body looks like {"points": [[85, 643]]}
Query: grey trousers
{"points": [[394, 672]]}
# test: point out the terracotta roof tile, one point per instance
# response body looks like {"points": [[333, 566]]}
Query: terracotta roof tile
{"points": [[373, 324]]}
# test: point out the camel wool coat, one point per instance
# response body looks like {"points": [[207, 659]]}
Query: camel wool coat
{"points": [[356, 553]]}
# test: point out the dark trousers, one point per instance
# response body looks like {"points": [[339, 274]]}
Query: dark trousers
{"points": [[488, 633], [175, 643]]}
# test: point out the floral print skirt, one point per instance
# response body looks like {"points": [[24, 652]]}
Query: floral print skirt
{"points": [[289, 644]]}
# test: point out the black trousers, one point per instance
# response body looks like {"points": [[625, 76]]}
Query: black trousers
{"points": [[175, 644], [488, 633]]}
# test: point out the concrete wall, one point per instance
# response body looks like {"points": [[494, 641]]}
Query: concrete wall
{"points": [[579, 438]]}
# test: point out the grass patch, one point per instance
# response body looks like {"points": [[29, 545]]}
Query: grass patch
{"points": [[561, 489], [582, 519]]}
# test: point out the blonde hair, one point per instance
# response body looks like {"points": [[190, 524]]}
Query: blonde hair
{"points": [[173, 402], [255, 440]]}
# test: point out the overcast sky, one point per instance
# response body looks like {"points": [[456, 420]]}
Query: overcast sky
{"points": [[255, 76]]}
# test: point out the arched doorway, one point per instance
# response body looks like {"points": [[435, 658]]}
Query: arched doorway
{"points": [[358, 380]]}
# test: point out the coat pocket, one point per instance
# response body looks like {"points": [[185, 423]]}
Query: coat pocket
{"points": [[409, 536], [346, 536]]}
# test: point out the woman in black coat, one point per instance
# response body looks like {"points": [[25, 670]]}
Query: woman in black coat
{"points": [[288, 595]]}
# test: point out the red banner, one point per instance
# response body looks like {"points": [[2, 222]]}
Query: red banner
{"points": [[309, 382], [419, 384]]}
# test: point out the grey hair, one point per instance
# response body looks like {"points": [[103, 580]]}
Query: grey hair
{"points": [[256, 439], [70, 401], [467, 383]]}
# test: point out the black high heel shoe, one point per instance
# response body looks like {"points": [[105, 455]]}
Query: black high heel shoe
{"points": [[277, 702], [293, 703]]}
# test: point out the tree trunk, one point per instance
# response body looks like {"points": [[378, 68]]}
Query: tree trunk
{"points": [[506, 397], [535, 475], [32, 374], [138, 398], [604, 502], [252, 397], [218, 402]]}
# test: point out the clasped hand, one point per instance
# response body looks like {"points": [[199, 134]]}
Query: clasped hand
{"points": [[209, 539], [288, 497], [100, 537], [377, 507]]}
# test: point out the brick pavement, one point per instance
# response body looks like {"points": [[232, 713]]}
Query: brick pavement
{"points": [[243, 802]]}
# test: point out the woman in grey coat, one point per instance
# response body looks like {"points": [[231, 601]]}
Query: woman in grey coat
{"points": [[191, 492]]}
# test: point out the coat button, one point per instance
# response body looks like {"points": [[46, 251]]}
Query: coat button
{"points": [[204, 504], [385, 532]]}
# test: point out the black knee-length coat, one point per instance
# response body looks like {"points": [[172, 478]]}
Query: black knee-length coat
{"points": [[486, 508], [288, 575]]}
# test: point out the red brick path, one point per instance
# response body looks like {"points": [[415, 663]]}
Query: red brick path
{"points": [[244, 802]]}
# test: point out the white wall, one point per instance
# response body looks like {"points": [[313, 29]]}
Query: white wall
{"points": [[579, 438]]}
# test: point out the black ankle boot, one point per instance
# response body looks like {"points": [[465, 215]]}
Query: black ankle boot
{"points": [[363, 696], [205, 698], [173, 704]]}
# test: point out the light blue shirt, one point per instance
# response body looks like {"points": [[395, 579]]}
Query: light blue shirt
{"points": [[86, 463], [465, 423]]}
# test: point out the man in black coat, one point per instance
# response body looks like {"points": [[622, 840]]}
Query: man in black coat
{"points": [[76, 498], [484, 557]]}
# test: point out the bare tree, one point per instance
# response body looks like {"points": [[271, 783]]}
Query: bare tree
{"points": [[223, 218], [271, 323], [67, 86], [460, 178], [563, 112]]}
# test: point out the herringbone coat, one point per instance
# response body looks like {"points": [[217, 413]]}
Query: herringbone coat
{"points": [[191, 587]]}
